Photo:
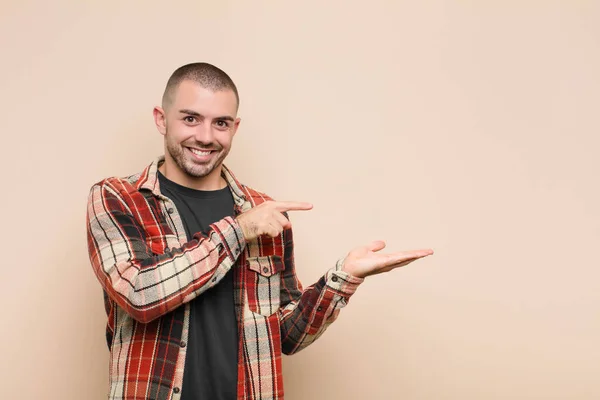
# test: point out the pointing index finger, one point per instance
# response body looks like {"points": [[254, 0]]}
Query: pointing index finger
{"points": [[284, 206]]}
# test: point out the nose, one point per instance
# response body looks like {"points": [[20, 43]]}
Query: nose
{"points": [[204, 133]]}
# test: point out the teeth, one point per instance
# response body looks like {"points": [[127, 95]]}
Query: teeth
{"points": [[200, 153]]}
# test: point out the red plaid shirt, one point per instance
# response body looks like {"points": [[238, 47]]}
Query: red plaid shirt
{"points": [[149, 272]]}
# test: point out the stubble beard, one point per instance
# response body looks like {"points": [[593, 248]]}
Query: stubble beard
{"points": [[191, 168]]}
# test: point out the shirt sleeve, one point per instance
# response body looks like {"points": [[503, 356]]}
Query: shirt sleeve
{"points": [[306, 313], [144, 284]]}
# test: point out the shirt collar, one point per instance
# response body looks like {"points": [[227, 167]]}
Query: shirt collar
{"points": [[148, 180]]}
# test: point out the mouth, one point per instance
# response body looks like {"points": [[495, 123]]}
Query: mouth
{"points": [[201, 155]]}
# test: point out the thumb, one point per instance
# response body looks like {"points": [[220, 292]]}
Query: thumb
{"points": [[376, 245]]}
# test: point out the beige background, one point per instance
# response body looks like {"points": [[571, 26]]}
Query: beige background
{"points": [[467, 126]]}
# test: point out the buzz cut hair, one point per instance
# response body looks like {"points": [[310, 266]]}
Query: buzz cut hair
{"points": [[206, 75]]}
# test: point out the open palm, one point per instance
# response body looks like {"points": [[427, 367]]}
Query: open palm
{"points": [[365, 260]]}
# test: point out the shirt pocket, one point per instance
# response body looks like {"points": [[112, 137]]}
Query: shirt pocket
{"points": [[263, 283]]}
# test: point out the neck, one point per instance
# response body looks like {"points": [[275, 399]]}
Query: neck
{"points": [[212, 181]]}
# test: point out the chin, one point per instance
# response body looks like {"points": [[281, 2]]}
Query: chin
{"points": [[200, 171]]}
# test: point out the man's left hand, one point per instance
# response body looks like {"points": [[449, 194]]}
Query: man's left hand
{"points": [[364, 261]]}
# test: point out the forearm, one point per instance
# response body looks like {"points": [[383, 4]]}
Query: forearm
{"points": [[147, 288], [305, 319], [148, 285]]}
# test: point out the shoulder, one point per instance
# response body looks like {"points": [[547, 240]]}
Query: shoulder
{"points": [[115, 186]]}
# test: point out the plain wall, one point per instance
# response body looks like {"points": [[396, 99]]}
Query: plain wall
{"points": [[470, 127]]}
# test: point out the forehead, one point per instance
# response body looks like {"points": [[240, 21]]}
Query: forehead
{"points": [[192, 95]]}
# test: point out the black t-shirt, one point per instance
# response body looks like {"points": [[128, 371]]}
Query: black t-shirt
{"points": [[210, 371]]}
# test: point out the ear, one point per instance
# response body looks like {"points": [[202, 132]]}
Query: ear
{"points": [[236, 125], [160, 119]]}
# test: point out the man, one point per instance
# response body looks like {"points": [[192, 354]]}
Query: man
{"points": [[198, 269]]}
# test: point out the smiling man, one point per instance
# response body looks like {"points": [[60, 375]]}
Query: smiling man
{"points": [[197, 269]]}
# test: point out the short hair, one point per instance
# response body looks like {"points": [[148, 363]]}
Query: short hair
{"points": [[205, 74]]}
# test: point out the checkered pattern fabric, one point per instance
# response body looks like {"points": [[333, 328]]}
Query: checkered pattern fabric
{"points": [[149, 272]]}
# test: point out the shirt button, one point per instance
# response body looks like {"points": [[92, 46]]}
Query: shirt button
{"points": [[171, 211], [214, 280], [265, 270], [182, 343], [319, 308], [175, 390], [334, 278]]}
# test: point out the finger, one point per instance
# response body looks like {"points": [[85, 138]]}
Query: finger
{"points": [[402, 256], [274, 233], [283, 206], [285, 223], [275, 228], [402, 264], [270, 231], [394, 266], [414, 253], [388, 268], [376, 245]]}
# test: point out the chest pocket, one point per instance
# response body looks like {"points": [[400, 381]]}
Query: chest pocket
{"points": [[263, 283], [159, 235]]}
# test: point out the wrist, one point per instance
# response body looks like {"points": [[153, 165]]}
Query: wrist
{"points": [[347, 267]]}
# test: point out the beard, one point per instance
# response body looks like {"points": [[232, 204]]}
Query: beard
{"points": [[191, 167]]}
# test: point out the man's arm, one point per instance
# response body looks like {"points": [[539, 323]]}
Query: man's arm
{"points": [[306, 314], [144, 284]]}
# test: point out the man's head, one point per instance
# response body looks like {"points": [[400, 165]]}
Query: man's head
{"points": [[198, 120]]}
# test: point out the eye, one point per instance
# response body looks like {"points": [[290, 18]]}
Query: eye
{"points": [[222, 124], [189, 119]]}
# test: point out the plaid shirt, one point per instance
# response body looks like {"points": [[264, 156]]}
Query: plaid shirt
{"points": [[149, 272]]}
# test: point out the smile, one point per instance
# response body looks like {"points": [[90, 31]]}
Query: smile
{"points": [[200, 152]]}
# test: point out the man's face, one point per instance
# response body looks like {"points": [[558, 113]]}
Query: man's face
{"points": [[199, 127]]}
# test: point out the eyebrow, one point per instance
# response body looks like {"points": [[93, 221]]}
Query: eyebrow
{"points": [[196, 114]]}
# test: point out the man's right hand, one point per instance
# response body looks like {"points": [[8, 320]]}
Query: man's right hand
{"points": [[267, 218]]}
